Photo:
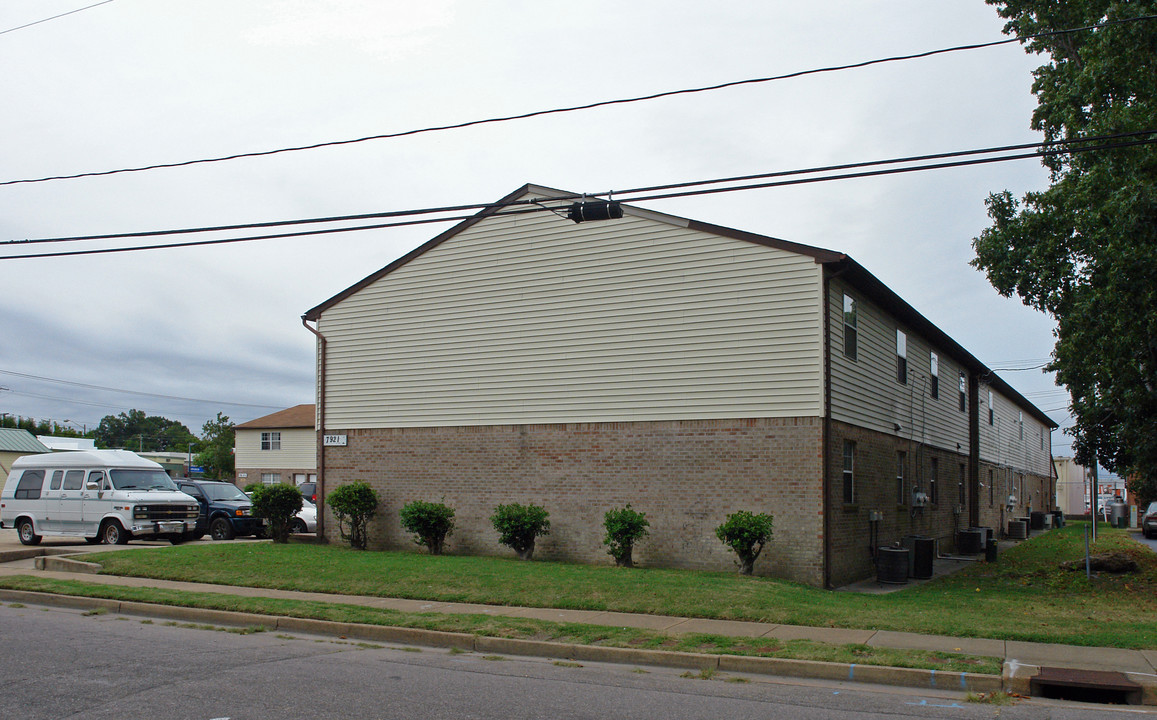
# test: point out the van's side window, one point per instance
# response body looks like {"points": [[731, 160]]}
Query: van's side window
{"points": [[57, 476], [30, 484], [97, 477], [74, 480]]}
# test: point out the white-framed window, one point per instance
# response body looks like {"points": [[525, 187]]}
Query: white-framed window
{"points": [[960, 486], [849, 472], [963, 392], [991, 411], [934, 361], [270, 478], [901, 357], [1021, 421], [851, 327], [933, 484], [271, 440], [901, 482]]}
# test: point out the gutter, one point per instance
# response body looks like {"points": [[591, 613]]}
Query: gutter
{"points": [[320, 430]]}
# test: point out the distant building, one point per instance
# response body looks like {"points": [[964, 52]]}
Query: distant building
{"points": [[281, 447], [16, 443], [1074, 485]]}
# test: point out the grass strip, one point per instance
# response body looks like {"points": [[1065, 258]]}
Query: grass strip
{"points": [[520, 628], [1025, 596]]}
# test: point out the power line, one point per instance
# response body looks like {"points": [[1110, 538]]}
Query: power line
{"points": [[1053, 148], [26, 376], [585, 106], [70, 12]]}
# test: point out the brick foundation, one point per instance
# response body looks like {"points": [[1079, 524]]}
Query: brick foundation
{"points": [[685, 475]]}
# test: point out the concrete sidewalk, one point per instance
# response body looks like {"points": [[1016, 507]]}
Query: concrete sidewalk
{"points": [[1022, 660]]}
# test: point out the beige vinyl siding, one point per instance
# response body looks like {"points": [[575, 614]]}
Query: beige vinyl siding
{"points": [[865, 392], [298, 449], [533, 319], [1001, 444]]}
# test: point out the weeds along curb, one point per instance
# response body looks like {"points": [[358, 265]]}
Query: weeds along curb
{"points": [[847, 672]]}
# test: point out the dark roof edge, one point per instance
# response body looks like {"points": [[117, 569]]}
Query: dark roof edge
{"points": [[859, 278]]}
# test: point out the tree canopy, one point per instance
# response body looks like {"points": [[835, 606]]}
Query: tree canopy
{"points": [[136, 431], [1084, 250], [216, 454]]}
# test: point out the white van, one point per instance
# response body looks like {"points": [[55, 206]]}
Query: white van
{"points": [[106, 496]]}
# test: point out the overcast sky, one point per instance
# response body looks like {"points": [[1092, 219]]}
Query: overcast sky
{"points": [[196, 331]]}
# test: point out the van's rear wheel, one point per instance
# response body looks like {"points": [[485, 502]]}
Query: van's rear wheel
{"points": [[113, 534], [27, 532]]}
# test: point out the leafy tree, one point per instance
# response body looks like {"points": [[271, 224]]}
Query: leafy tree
{"points": [[353, 503], [1085, 249], [519, 526], [136, 431], [746, 533], [430, 523], [216, 454], [625, 526], [277, 503]]}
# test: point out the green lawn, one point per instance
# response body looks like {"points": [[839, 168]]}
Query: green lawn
{"points": [[1024, 596]]}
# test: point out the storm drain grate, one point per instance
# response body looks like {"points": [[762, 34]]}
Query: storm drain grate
{"points": [[1097, 686]]}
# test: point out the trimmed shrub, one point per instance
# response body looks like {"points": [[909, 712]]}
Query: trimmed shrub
{"points": [[430, 523], [353, 504], [252, 488], [745, 533], [519, 525], [277, 504], [624, 527]]}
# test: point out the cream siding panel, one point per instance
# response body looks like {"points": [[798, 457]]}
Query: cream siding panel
{"points": [[1001, 442], [865, 392], [298, 449], [533, 319]]}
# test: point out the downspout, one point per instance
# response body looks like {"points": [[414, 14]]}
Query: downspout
{"points": [[825, 440], [320, 427], [973, 449]]}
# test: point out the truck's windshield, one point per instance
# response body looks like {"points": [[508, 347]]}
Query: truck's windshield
{"points": [[141, 480]]}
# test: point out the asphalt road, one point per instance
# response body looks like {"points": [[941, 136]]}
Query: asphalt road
{"points": [[60, 664]]}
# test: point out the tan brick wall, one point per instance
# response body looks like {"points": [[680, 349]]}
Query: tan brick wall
{"points": [[685, 475], [253, 475], [1036, 490]]}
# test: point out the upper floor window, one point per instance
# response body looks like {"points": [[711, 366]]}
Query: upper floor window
{"points": [[271, 440], [1020, 432], [850, 327], [901, 357], [991, 410], [935, 362], [963, 393]]}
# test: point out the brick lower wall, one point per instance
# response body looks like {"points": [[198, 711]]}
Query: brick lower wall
{"points": [[685, 475], [1035, 492]]}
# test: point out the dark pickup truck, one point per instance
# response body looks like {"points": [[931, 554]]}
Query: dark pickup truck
{"points": [[226, 512]]}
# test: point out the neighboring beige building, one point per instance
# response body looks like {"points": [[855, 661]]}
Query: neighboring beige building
{"points": [[688, 369], [281, 447], [16, 443]]}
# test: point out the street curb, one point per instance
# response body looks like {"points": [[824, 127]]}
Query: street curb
{"points": [[816, 669]]}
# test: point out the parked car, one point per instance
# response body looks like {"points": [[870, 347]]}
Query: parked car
{"points": [[309, 491], [1149, 521], [306, 520], [226, 512]]}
